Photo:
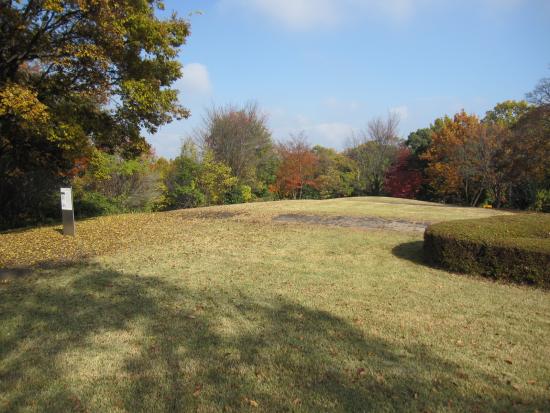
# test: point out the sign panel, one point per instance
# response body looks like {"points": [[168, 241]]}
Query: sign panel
{"points": [[67, 199], [67, 212]]}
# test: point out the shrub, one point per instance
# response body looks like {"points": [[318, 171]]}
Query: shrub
{"points": [[89, 204], [112, 185], [510, 247], [239, 194], [185, 197], [542, 201]]}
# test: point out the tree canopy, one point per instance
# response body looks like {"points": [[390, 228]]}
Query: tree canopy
{"points": [[508, 112], [77, 75], [239, 137]]}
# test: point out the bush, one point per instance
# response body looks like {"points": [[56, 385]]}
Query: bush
{"points": [[509, 247], [542, 201], [90, 204], [239, 194], [185, 197], [113, 185]]}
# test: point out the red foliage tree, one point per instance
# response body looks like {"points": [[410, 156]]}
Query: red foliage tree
{"points": [[403, 179], [297, 168]]}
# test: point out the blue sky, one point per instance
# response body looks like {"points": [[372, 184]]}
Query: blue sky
{"points": [[326, 67]]}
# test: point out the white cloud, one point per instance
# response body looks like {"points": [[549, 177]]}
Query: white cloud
{"points": [[294, 14], [339, 105], [195, 81], [330, 134], [308, 14], [401, 111], [312, 14], [333, 134]]}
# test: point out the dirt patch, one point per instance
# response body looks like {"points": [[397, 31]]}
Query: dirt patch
{"points": [[354, 222]]}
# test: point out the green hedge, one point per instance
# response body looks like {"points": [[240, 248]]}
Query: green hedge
{"points": [[508, 247]]}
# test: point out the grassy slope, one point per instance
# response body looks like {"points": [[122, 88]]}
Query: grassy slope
{"points": [[203, 310]]}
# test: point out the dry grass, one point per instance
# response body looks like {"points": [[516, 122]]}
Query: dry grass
{"points": [[222, 309], [106, 234]]}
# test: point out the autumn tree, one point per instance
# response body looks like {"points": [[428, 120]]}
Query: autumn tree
{"points": [[240, 138], [404, 177], [77, 75], [297, 168], [463, 159], [527, 157]]}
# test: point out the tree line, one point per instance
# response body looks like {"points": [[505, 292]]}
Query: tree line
{"points": [[80, 81], [501, 160]]}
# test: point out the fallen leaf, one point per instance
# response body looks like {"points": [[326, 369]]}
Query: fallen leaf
{"points": [[509, 361], [462, 375], [253, 403]]}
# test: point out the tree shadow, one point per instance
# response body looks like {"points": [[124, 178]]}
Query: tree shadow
{"points": [[186, 349], [13, 273], [17, 272]]}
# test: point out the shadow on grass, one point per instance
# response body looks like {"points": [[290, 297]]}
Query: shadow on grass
{"points": [[411, 251], [210, 350], [13, 273]]}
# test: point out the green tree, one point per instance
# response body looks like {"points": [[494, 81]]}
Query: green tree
{"points": [[336, 173], [419, 141], [192, 181], [215, 180], [508, 112], [77, 75], [181, 180]]}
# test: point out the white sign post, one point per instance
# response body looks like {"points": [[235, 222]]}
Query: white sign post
{"points": [[67, 211]]}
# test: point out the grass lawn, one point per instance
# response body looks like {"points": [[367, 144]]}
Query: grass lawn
{"points": [[224, 309]]}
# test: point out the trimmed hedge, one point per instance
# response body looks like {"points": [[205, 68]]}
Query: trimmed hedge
{"points": [[508, 247]]}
